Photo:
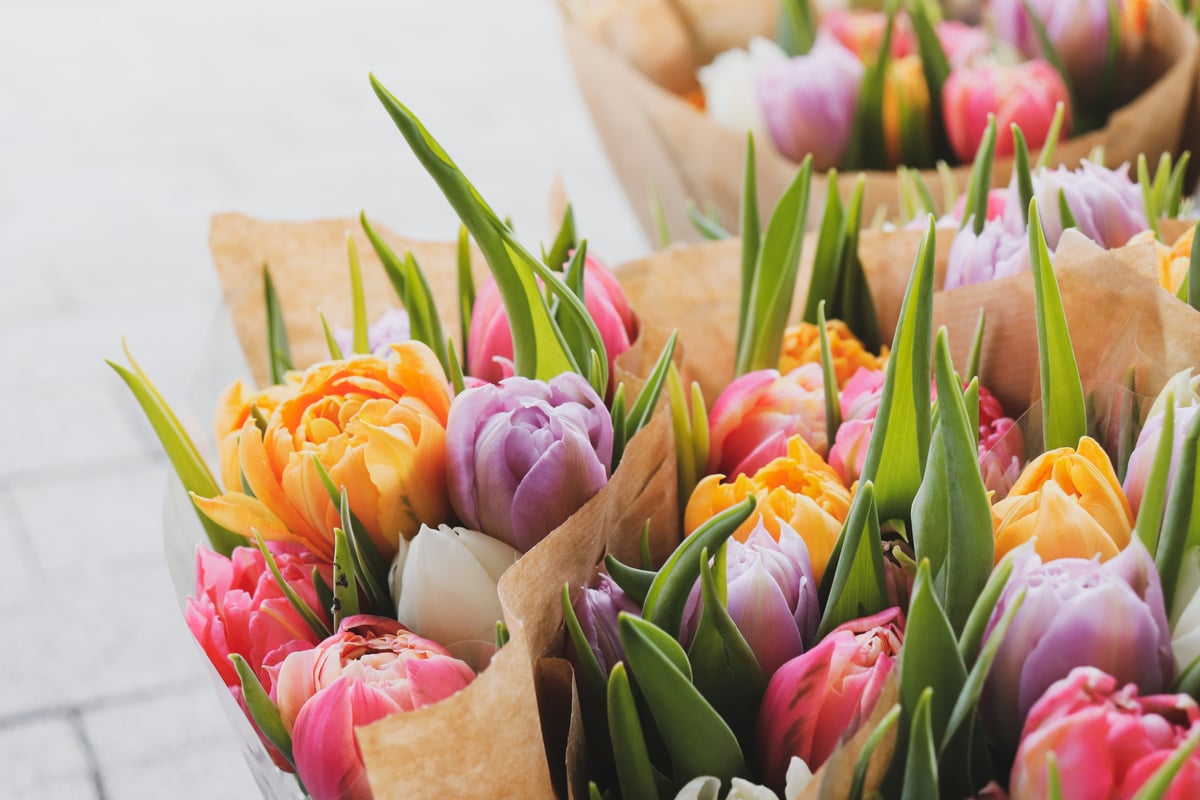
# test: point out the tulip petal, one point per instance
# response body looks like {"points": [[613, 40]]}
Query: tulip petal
{"points": [[433, 679]]}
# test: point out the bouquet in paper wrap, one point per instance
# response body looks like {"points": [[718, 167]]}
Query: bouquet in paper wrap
{"points": [[673, 88]]}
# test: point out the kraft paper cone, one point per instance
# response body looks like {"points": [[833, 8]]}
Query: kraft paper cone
{"points": [[656, 137]]}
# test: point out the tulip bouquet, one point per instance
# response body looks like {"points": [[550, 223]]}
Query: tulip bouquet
{"points": [[366, 507], [869, 90]]}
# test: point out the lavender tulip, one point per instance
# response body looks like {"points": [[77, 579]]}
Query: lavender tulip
{"points": [[1142, 459], [1106, 204], [997, 252], [523, 455], [809, 101], [597, 609], [772, 596], [1076, 612]]}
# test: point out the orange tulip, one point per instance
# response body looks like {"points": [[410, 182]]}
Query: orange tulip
{"points": [[378, 429], [233, 409], [1173, 261], [905, 106], [799, 489], [1071, 501], [802, 345]]}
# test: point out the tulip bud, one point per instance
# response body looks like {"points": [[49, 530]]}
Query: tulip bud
{"points": [[771, 596], [1106, 742], [730, 86], [816, 699], [1106, 204], [524, 455], [1022, 94], [444, 585], [809, 102], [1076, 612], [597, 610], [1142, 458], [392, 327], [756, 414], [996, 252]]}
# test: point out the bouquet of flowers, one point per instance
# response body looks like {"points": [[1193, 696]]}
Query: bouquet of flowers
{"points": [[867, 90]]}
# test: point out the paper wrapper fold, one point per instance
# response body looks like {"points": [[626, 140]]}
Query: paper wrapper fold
{"points": [[655, 137]]}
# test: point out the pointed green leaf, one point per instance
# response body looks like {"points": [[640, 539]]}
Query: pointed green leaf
{"points": [[1022, 170], [708, 227], [863, 763], [643, 408], [936, 67], [971, 400], [797, 27], [370, 567], [634, 770], [699, 428], [564, 241], [833, 407], [262, 709], [335, 350], [278, 351], [980, 182], [930, 656], [502, 634], [1193, 276], [865, 149], [310, 617], [1150, 514], [827, 262], [422, 312], [1182, 517], [1175, 186], [458, 381], [634, 582], [1160, 782], [1153, 212], [1188, 681], [751, 234], [853, 301], [981, 614], [976, 355], [466, 288], [1064, 417], [685, 445], [858, 587], [358, 299], [1056, 122], [920, 767], [593, 674], [345, 586], [661, 228], [1048, 51]]}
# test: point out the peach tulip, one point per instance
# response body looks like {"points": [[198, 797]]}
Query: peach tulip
{"points": [[1070, 502], [377, 427], [802, 345]]}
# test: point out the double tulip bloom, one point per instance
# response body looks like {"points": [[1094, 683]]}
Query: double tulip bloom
{"points": [[802, 345]]}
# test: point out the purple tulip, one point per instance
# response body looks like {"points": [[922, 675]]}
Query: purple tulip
{"points": [[1106, 204], [523, 455], [597, 609], [1142, 459], [392, 327], [809, 102], [771, 596], [997, 252], [1076, 612]]}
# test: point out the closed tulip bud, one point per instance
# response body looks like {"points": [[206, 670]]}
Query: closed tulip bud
{"points": [[1076, 612], [597, 609], [1106, 204], [802, 345], [771, 596], [730, 86], [370, 669], [815, 700], [1106, 741], [756, 414], [444, 585], [997, 252], [1069, 502], [524, 455], [798, 489], [1023, 94], [809, 102], [490, 345], [391, 328], [1142, 458]]}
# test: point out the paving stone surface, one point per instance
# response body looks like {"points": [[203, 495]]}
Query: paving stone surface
{"points": [[125, 125]]}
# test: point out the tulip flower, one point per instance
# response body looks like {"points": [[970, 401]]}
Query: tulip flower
{"points": [[371, 668], [524, 455], [964, 45], [1022, 94], [233, 410], [809, 102], [597, 609], [860, 403], [730, 85], [997, 252], [1106, 204], [802, 345], [756, 414], [1001, 454], [997, 207], [1070, 502], [378, 429], [1076, 612], [820, 697], [861, 32], [490, 345], [1142, 458], [1106, 741], [1173, 261], [444, 585], [1183, 387], [771, 596], [798, 489], [905, 106], [391, 328]]}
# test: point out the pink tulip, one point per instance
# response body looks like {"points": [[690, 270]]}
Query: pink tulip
{"points": [[1001, 455], [1107, 741], [997, 205], [490, 347], [1025, 94], [752, 419], [861, 32], [860, 403], [817, 698], [964, 45], [371, 668], [809, 102]]}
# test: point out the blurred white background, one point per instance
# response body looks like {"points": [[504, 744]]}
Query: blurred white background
{"points": [[123, 126]]}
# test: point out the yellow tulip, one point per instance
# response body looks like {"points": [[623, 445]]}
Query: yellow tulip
{"points": [[376, 426], [1172, 261], [799, 489], [802, 345], [905, 99], [1071, 501]]}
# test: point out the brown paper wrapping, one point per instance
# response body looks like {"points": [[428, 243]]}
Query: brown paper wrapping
{"points": [[656, 137]]}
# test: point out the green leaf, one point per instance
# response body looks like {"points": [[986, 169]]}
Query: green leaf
{"points": [[647, 558], [1182, 517], [1188, 681], [1160, 782], [345, 586], [980, 181], [278, 351], [660, 218], [1053, 781], [981, 613], [920, 767], [1066, 218], [930, 657], [370, 567], [864, 756], [335, 350], [1175, 186], [936, 67], [466, 288], [180, 449], [751, 234], [853, 301], [458, 380], [706, 226], [1023, 171], [1150, 514], [564, 241], [1185, 289], [865, 150], [685, 440], [976, 355], [951, 514], [634, 582], [502, 634], [858, 587], [698, 740], [1064, 417], [671, 586], [310, 617], [797, 27], [899, 445], [1193, 276], [323, 590], [634, 770], [971, 399], [1056, 123], [593, 673], [833, 407], [358, 299], [699, 427], [1153, 212], [262, 709], [827, 263], [761, 329]]}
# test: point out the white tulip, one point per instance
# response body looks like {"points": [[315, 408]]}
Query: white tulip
{"points": [[709, 788], [1185, 387], [730, 86], [444, 584]]}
